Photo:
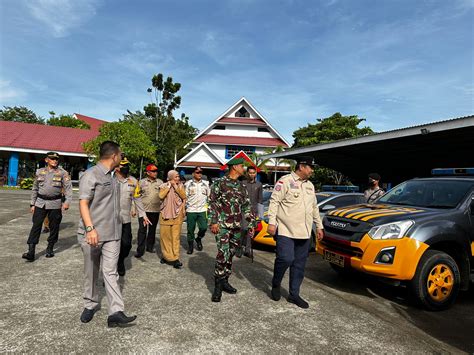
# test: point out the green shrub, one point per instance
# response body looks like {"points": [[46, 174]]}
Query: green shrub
{"points": [[26, 183]]}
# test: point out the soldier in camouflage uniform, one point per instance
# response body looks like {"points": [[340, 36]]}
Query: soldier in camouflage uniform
{"points": [[228, 204], [46, 200]]}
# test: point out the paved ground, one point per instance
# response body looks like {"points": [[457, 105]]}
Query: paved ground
{"points": [[41, 303]]}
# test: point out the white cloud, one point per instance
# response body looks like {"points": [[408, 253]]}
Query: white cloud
{"points": [[9, 93], [61, 16]]}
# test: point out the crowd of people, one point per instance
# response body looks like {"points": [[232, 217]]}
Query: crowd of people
{"points": [[109, 197]]}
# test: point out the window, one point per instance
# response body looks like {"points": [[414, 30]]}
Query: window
{"points": [[242, 112], [219, 127], [263, 129], [231, 150], [344, 201]]}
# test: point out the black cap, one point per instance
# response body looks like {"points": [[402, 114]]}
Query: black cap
{"points": [[307, 160], [52, 155], [374, 176]]}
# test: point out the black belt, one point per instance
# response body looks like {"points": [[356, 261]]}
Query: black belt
{"points": [[49, 198]]}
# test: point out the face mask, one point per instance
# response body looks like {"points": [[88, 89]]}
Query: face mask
{"points": [[371, 182], [125, 170]]}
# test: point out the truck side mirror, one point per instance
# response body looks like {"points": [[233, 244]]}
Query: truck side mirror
{"points": [[326, 208]]}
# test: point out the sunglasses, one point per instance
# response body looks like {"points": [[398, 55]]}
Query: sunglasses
{"points": [[153, 171], [198, 172], [53, 158]]}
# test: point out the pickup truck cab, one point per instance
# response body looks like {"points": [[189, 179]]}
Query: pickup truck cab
{"points": [[420, 233]]}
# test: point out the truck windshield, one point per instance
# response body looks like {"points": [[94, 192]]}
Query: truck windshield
{"points": [[428, 193]]}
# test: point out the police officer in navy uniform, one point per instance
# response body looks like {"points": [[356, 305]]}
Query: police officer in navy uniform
{"points": [[46, 200]]}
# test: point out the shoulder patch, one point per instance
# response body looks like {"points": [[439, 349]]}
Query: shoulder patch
{"points": [[278, 187]]}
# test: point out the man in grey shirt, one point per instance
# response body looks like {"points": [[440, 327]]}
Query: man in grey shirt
{"points": [[99, 234]]}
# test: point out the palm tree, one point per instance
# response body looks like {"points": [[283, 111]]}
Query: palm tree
{"points": [[278, 161]]}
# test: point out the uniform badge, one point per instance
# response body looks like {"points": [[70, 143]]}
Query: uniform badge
{"points": [[296, 194]]}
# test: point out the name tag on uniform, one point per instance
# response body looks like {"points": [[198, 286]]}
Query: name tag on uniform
{"points": [[108, 183]]}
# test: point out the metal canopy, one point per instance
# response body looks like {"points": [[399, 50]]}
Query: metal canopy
{"points": [[397, 155]]}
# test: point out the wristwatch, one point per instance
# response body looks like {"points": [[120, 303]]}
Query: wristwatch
{"points": [[89, 228]]}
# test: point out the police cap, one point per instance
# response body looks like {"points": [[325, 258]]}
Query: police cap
{"points": [[124, 161], [52, 155]]}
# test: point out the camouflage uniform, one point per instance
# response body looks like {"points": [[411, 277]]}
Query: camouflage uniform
{"points": [[228, 204]]}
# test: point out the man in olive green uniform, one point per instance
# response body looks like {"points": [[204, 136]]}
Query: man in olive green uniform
{"points": [[292, 211], [149, 189], [228, 203], [46, 201]]}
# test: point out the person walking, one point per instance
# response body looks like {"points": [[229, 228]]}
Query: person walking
{"points": [[149, 192], [374, 191], [46, 201], [171, 218], [228, 205], [99, 235], [292, 211], [197, 193], [255, 191], [130, 201]]}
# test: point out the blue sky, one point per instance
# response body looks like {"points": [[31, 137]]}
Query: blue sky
{"points": [[395, 63]]}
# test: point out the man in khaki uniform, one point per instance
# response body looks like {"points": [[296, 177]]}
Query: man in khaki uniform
{"points": [[149, 189], [99, 233], [46, 202], [130, 202], [292, 211], [374, 191]]}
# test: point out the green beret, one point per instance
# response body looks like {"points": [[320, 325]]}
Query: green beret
{"points": [[235, 161]]}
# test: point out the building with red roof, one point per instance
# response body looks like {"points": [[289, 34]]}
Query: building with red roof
{"points": [[23, 146], [241, 128]]}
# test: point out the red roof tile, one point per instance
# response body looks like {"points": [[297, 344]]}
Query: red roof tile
{"points": [[43, 137], [252, 141], [249, 121], [95, 123]]}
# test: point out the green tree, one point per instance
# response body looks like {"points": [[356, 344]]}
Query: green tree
{"points": [[330, 129], [168, 134], [66, 121], [133, 141], [19, 114], [333, 128]]}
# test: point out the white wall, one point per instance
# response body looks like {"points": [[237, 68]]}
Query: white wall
{"points": [[242, 131]]}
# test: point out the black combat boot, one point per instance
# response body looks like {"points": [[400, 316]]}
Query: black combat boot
{"points": [[30, 255], [49, 250], [190, 247], [198, 244], [217, 294], [226, 286]]}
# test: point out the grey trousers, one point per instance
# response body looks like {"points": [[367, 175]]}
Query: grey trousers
{"points": [[107, 253]]}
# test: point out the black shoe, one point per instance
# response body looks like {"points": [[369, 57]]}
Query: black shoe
{"points": [[298, 301], [150, 250], [177, 264], [190, 247], [49, 250], [217, 294], [199, 244], [163, 261], [276, 294], [87, 315], [138, 255], [121, 268], [30, 255], [226, 286], [119, 319]]}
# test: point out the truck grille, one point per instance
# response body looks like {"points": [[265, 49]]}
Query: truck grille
{"points": [[345, 229]]}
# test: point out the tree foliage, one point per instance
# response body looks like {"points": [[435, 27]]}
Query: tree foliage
{"points": [[66, 121], [133, 141], [168, 134], [19, 114], [330, 129], [333, 128]]}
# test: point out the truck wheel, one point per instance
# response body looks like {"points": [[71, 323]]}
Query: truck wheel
{"points": [[437, 280]]}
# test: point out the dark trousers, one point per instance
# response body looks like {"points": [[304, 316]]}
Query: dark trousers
{"points": [[125, 242], [290, 253], [147, 235], [54, 216], [191, 219]]}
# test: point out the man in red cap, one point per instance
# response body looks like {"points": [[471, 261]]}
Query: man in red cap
{"points": [[149, 191]]}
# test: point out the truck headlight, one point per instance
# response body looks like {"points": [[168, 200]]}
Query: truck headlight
{"points": [[394, 230]]}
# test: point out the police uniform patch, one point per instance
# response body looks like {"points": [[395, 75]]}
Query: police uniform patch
{"points": [[278, 187]]}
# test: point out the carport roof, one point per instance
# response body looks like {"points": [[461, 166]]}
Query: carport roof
{"points": [[399, 154]]}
